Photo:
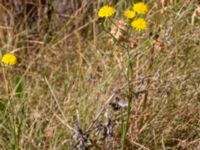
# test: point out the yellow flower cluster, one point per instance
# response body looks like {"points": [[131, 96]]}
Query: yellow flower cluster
{"points": [[9, 59], [106, 11], [139, 8]]}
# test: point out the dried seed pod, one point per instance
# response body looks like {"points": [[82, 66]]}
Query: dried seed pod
{"points": [[158, 45], [118, 29]]}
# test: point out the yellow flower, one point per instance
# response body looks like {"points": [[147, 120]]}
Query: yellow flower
{"points": [[129, 14], [106, 11], [140, 8], [9, 59], [139, 24]]}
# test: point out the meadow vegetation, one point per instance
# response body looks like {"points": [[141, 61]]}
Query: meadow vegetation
{"points": [[85, 79]]}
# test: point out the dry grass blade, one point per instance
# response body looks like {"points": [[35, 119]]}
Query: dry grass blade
{"points": [[58, 105], [195, 14]]}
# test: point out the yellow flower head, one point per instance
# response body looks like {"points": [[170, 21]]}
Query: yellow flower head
{"points": [[129, 14], [9, 59], [139, 24], [106, 11], [140, 8]]}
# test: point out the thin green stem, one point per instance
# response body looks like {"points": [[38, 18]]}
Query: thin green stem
{"points": [[128, 74]]}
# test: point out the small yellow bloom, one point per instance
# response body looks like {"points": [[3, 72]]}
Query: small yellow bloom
{"points": [[106, 11], [129, 14], [140, 8], [139, 24], [9, 59]]}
